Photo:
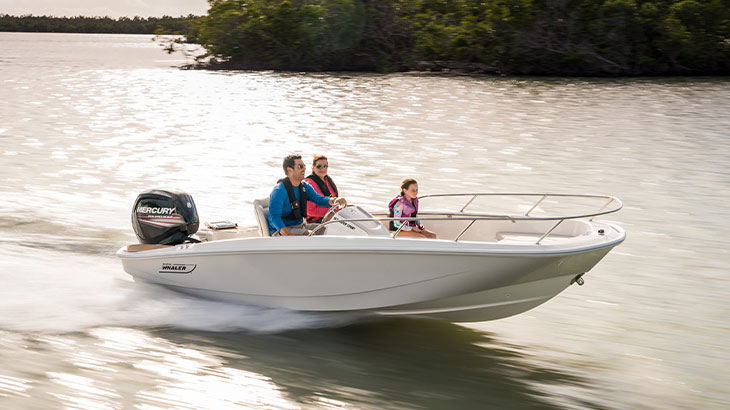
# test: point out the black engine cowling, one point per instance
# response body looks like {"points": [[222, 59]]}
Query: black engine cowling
{"points": [[164, 217]]}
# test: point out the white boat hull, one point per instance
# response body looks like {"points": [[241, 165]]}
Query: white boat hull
{"points": [[456, 281]]}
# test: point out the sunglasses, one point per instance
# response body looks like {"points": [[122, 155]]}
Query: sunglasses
{"points": [[322, 166], [300, 166]]}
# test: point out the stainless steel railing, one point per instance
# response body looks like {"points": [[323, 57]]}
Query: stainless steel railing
{"points": [[473, 217]]}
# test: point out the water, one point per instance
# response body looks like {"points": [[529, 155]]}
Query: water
{"points": [[89, 121]]}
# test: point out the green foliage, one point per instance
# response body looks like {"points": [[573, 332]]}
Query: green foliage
{"points": [[123, 25], [294, 35], [548, 37]]}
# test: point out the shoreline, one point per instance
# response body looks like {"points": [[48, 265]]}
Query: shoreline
{"points": [[445, 68]]}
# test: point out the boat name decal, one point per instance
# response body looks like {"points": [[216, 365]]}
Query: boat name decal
{"points": [[155, 210], [348, 225], [177, 268]]}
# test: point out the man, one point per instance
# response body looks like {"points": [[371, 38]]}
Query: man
{"points": [[288, 200]]}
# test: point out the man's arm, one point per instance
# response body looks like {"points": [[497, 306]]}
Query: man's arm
{"points": [[317, 198], [276, 203]]}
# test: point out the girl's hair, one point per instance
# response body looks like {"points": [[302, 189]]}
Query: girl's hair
{"points": [[405, 184], [317, 158]]}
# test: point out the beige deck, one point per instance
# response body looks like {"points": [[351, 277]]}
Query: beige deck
{"points": [[140, 247]]}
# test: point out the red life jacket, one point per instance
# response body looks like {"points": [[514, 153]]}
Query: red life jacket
{"points": [[323, 186], [325, 191]]}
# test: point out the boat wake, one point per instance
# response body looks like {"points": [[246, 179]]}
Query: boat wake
{"points": [[51, 291], [50, 234]]}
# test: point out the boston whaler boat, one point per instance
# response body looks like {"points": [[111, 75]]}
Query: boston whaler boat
{"points": [[483, 266]]}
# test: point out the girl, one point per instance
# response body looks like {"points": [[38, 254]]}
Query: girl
{"points": [[406, 205]]}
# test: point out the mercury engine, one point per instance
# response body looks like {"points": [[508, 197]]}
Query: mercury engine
{"points": [[164, 217]]}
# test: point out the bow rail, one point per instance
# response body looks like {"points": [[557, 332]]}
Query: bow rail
{"points": [[473, 217]]}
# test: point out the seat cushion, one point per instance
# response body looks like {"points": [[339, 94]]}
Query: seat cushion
{"points": [[261, 209]]}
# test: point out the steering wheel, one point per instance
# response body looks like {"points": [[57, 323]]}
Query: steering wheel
{"points": [[337, 207]]}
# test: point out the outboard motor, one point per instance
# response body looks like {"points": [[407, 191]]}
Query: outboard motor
{"points": [[164, 217]]}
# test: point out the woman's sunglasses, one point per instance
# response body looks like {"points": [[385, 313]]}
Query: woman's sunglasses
{"points": [[322, 166]]}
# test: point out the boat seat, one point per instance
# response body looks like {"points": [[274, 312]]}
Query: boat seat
{"points": [[209, 235], [261, 209]]}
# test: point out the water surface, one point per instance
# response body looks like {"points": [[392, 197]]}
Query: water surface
{"points": [[89, 121]]}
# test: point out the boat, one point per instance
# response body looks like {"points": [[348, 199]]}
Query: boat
{"points": [[483, 266]]}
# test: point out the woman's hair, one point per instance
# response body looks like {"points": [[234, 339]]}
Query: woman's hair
{"points": [[405, 184], [317, 158]]}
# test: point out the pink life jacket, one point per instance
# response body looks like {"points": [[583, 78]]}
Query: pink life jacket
{"points": [[314, 211], [409, 210]]}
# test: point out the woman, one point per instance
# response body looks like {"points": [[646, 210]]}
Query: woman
{"points": [[406, 205], [323, 184]]}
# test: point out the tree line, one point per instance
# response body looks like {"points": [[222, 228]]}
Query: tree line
{"points": [[79, 24], [523, 37], [537, 37]]}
